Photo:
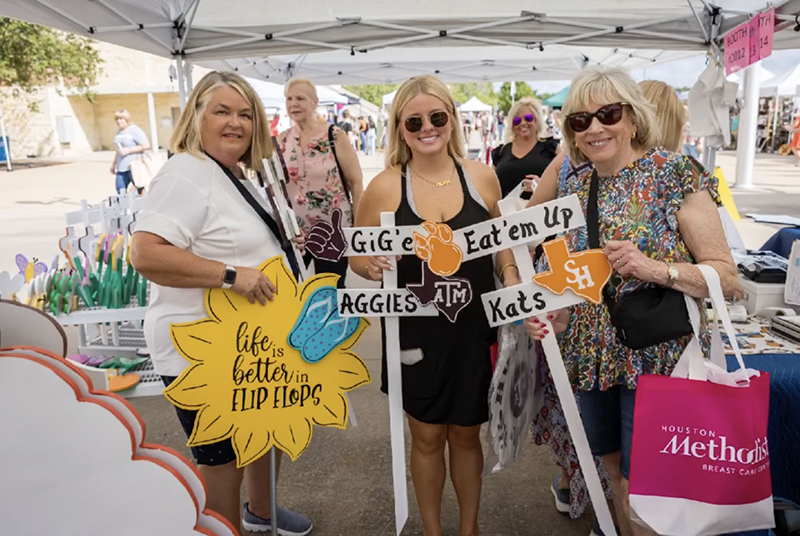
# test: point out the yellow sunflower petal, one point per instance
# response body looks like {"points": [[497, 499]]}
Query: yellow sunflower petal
{"points": [[250, 445], [210, 427], [353, 339], [191, 390], [294, 438], [193, 339], [320, 280], [332, 411], [223, 304], [277, 272], [350, 371]]}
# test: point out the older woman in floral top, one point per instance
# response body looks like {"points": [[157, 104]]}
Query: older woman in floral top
{"points": [[657, 219], [316, 183]]}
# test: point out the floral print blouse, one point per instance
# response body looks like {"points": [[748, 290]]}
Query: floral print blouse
{"points": [[314, 185], [639, 204]]}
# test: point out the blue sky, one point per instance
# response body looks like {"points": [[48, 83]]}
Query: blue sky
{"points": [[684, 73]]}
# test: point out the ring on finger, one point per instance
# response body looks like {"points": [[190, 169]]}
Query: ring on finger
{"points": [[620, 263]]}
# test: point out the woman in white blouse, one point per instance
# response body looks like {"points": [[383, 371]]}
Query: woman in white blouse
{"points": [[197, 232]]}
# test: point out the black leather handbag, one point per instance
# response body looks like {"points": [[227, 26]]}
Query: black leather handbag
{"points": [[644, 317]]}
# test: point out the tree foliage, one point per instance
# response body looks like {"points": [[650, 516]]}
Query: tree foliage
{"points": [[504, 99], [33, 55], [372, 92], [461, 93], [483, 90]]}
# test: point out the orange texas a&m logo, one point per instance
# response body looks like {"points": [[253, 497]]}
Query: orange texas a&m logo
{"points": [[585, 273], [442, 255]]}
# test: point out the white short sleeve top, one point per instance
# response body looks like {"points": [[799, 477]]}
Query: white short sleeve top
{"points": [[193, 205]]}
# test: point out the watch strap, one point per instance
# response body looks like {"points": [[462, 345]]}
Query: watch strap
{"points": [[225, 284]]}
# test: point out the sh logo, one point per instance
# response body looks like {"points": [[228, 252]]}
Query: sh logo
{"points": [[582, 276]]}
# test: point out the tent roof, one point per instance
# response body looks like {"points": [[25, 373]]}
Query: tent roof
{"points": [[557, 100], [474, 104], [784, 85], [271, 94], [278, 42]]}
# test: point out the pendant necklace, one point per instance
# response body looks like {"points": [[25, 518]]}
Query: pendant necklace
{"points": [[437, 184]]}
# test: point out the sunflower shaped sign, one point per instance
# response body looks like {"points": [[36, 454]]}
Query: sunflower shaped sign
{"points": [[264, 376]]}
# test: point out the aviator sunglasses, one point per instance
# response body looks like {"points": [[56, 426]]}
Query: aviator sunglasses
{"points": [[517, 120], [610, 114], [415, 122]]}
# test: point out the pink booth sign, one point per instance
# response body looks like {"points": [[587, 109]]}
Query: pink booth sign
{"points": [[749, 42]]}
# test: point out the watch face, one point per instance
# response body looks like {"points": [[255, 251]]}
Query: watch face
{"points": [[230, 277]]}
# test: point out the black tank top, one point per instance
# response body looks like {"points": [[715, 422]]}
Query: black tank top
{"points": [[451, 383]]}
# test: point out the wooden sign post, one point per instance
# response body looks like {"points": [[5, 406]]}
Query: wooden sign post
{"points": [[529, 299]]}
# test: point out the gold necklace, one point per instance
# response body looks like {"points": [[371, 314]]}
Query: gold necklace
{"points": [[437, 184]]}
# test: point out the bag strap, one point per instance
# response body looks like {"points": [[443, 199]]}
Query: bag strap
{"points": [[332, 142], [286, 246], [593, 231]]}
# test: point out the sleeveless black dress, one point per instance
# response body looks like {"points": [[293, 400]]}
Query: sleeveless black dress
{"points": [[450, 385]]}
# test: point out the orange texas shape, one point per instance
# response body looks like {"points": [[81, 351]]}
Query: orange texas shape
{"points": [[443, 257], [585, 273]]}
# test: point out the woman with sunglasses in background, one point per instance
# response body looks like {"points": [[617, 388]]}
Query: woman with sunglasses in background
{"points": [[446, 366], [526, 152], [656, 218]]}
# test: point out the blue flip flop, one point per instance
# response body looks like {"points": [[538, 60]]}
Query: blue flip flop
{"points": [[336, 331], [318, 308]]}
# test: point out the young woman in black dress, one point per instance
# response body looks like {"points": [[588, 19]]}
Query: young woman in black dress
{"points": [[447, 366], [526, 153]]}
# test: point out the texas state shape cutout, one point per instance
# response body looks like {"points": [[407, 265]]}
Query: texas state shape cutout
{"points": [[585, 273]]}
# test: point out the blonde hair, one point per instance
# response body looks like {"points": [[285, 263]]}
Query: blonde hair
{"points": [[606, 85], [398, 153], [187, 137], [670, 113], [305, 81], [122, 114], [536, 107]]}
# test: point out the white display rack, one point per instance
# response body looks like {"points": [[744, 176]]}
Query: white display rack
{"points": [[104, 331]]}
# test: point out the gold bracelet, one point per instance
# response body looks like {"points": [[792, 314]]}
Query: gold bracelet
{"points": [[504, 268]]}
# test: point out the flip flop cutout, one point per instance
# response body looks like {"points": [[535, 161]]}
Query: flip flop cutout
{"points": [[336, 331], [121, 383], [96, 361], [78, 358], [123, 363], [318, 308]]}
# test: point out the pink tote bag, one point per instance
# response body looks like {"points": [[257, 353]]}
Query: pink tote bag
{"points": [[700, 457]]}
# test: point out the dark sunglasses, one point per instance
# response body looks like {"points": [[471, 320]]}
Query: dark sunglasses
{"points": [[610, 114], [415, 122], [517, 120]]}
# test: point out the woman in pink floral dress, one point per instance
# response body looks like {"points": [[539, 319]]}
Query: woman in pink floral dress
{"points": [[323, 175]]}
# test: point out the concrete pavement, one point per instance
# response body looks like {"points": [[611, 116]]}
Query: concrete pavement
{"points": [[343, 481]]}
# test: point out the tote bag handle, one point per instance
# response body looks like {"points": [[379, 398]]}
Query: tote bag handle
{"points": [[692, 364]]}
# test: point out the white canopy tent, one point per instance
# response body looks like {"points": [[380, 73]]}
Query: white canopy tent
{"points": [[351, 41], [387, 99], [475, 105], [271, 94], [783, 85]]}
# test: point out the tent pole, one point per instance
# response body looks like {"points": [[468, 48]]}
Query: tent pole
{"points": [[151, 108], [189, 80], [181, 83], [748, 127], [5, 141], [776, 111]]}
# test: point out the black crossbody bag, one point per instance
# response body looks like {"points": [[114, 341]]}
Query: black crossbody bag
{"points": [[264, 215], [647, 316]]}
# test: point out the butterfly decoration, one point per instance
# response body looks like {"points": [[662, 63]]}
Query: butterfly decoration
{"points": [[30, 269]]}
